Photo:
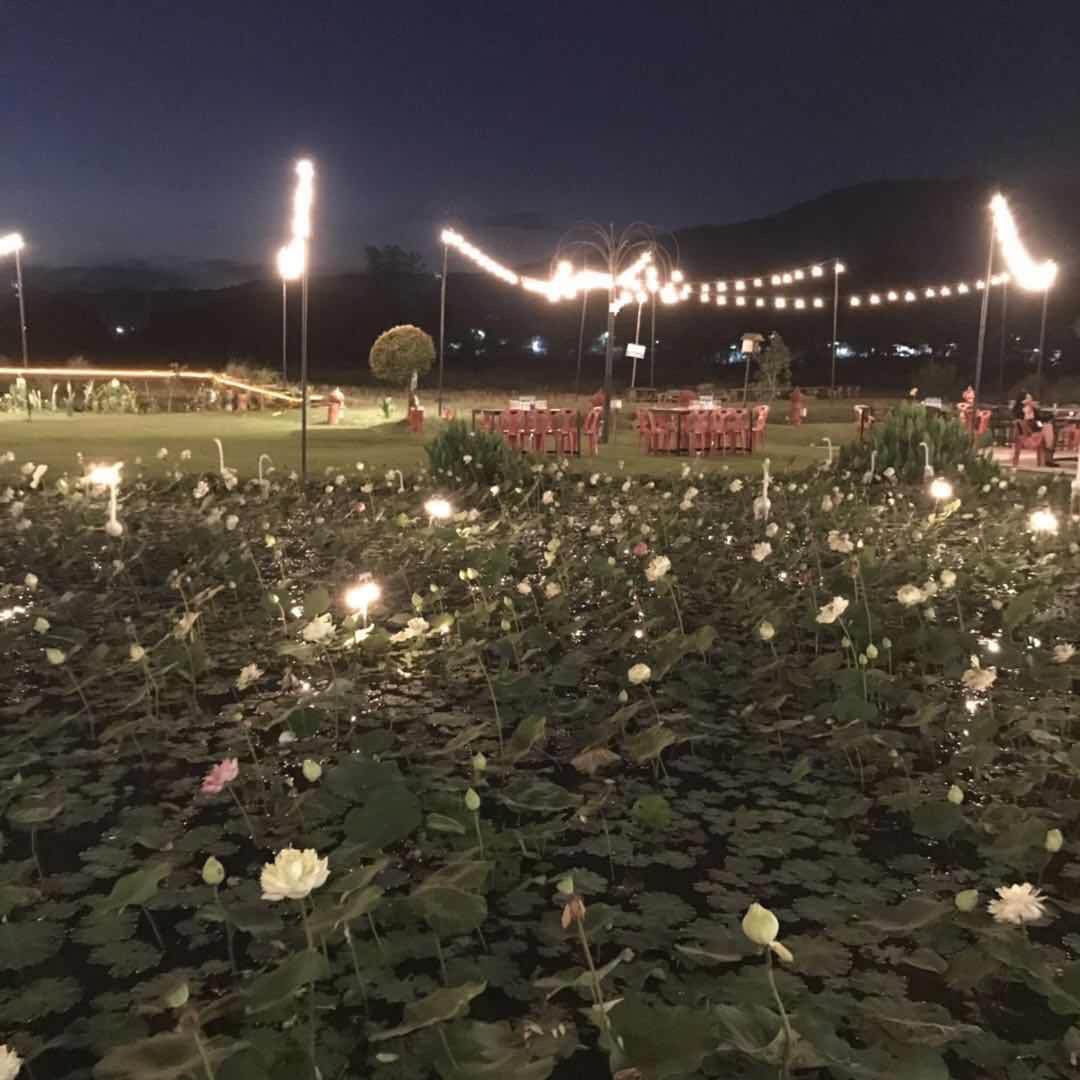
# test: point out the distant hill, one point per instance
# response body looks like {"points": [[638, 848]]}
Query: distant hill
{"points": [[890, 232]]}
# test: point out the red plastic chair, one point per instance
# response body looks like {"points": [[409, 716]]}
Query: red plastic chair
{"points": [[738, 430], [698, 428], [594, 429], [644, 430], [514, 428], [563, 431], [1027, 440], [982, 422], [662, 432]]}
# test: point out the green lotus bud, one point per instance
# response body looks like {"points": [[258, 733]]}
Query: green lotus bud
{"points": [[886, 643], [213, 873], [967, 900], [956, 795], [479, 762], [472, 801], [566, 886], [1054, 841], [624, 697], [871, 651], [760, 925], [312, 770], [178, 996]]}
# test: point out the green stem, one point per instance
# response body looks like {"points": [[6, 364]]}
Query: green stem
{"points": [[86, 704], [442, 959], [356, 967], [307, 928], [207, 1067], [789, 1037], [247, 820], [33, 851], [479, 835], [494, 700], [446, 1047]]}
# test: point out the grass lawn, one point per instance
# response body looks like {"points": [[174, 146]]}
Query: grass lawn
{"points": [[57, 439]]}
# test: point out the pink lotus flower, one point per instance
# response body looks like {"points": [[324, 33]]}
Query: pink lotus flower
{"points": [[361, 507], [224, 772], [641, 549]]}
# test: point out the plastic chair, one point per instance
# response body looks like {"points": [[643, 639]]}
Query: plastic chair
{"points": [[514, 428], [1027, 440], [563, 431], [698, 428], [662, 434], [594, 429], [738, 430], [644, 430], [982, 422]]}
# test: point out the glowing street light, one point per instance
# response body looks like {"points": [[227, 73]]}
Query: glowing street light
{"points": [[290, 266], [361, 597], [12, 244], [292, 263]]}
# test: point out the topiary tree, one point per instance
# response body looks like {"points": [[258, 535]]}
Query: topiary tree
{"points": [[402, 354]]}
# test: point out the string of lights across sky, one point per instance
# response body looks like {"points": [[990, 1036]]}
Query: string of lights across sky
{"points": [[641, 280]]}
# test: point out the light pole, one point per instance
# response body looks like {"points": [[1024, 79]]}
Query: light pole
{"points": [[442, 316], [1042, 333], [290, 265], [12, 244], [838, 269], [984, 310], [1001, 346], [581, 331]]}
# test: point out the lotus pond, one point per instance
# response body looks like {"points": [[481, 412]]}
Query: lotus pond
{"points": [[336, 784]]}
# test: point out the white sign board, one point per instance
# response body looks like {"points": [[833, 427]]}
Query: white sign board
{"points": [[635, 352]]}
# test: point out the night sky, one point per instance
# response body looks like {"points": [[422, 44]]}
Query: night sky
{"points": [[153, 129]]}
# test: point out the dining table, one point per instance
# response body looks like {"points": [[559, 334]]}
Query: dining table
{"points": [[680, 413]]}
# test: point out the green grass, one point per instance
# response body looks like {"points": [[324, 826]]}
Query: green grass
{"points": [[57, 440]]}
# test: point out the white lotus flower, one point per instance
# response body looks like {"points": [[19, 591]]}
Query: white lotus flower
{"points": [[319, 629], [293, 874], [761, 551], [826, 503], [638, 674], [948, 579], [657, 567], [184, 625], [830, 612], [136, 653], [771, 529], [1017, 904], [524, 588], [840, 542], [41, 625], [552, 589], [547, 498], [31, 582], [735, 486], [248, 674], [910, 595], [10, 1063], [766, 631], [231, 522], [977, 677], [1064, 653], [415, 627], [185, 455]]}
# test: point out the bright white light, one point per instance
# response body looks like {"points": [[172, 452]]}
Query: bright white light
{"points": [[909, 296], [775, 279], [438, 509], [780, 302], [875, 299], [800, 304], [118, 330], [945, 291], [818, 302], [740, 286], [676, 276], [799, 275], [855, 301], [1043, 521], [893, 295], [1033, 276], [759, 302], [11, 243], [840, 268], [941, 488], [290, 261], [104, 475], [930, 294], [740, 301], [962, 288], [816, 271], [361, 597], [758, 283], [786, 279]]}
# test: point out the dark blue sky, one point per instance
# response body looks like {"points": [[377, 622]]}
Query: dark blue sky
{"points": [[160, 128]]}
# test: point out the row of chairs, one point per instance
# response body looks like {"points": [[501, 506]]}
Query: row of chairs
{"points": [[703, 430], [558, 431]]}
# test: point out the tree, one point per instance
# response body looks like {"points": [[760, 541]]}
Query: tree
{"points": [[401, 354], [774, 368]]}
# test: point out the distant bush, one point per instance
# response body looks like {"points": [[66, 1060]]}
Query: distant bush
{"points": [[460, 457], [1066, 390], [896, 440], [401, 352]]}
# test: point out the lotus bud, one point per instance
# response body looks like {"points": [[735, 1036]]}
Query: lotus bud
{"points": [[178, 996], [1054, 841], [968, 900], [566, 886], [479, 763], [312, 770], [760, 925], [213, 872], [55, 656], [956, 795], [472, 801]]}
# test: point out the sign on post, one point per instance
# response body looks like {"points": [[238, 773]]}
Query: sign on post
{"points": [[635, 352]]}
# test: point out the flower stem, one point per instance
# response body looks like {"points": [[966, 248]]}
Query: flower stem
{"points": [[479, 835], [789, 1038], [307, 928], [247, 820], [201, 1046]]}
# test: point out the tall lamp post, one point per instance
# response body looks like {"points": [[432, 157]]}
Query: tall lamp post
{"points": [[292, 264], [12, 244], [838, 269], [984, 310], [442, 313], [1042, 333]]}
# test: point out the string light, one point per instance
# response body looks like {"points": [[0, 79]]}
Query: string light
{"points": [[474, 254], [1030, 275], [929, 292]]}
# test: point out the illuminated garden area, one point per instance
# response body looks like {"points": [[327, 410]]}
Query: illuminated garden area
{"points": [[481, 773]]}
